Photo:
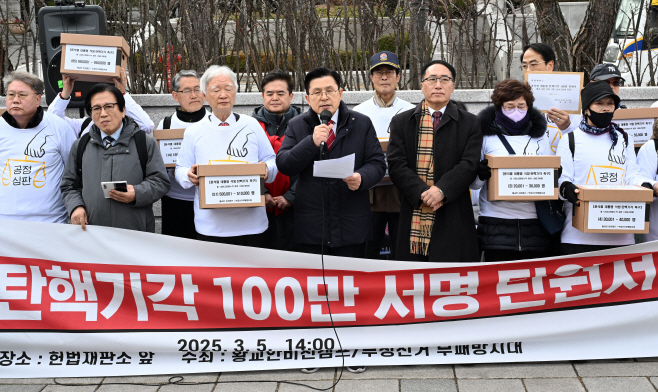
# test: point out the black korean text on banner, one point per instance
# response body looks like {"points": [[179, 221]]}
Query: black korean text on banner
{"points": [[45, 295]]}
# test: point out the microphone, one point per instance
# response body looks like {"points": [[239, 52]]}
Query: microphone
{"points": [[325, 117]]}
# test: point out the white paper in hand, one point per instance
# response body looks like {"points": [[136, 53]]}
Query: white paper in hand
{"points": [[334, 168]]}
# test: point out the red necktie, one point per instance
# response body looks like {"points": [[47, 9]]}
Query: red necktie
{"points": [[332, 136], [223, 124], [436, 118]]}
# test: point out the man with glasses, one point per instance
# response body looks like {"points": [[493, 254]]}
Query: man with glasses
{"points": [[225, 137], [178, 204], [115, 150], [541, 57], [610, 74], [385, 197], [83, 125], [332, 216], [35, 147], [433, 157]]}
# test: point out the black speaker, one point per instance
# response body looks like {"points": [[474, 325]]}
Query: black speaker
{"points": [[53, 21]]}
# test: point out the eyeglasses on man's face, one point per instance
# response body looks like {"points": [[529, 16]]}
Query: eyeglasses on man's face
{"points": [[187, 91], [531, 66], [432, 80], [108, 107], [318, 94], [389, 73], [20, 95]]}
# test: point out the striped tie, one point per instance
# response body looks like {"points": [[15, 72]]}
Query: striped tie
{"points": [[108, 141], [332, 136]]}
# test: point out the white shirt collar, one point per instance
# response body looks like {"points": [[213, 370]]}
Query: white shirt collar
{"points": [[116, 135], [334, 118], [230, 120], [442, 110]]}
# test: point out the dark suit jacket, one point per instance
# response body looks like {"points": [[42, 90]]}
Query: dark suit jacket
{"points": [[457, 147], [347, 218]]}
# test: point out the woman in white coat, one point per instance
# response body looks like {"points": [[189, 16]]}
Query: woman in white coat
{"points": [[647, 159]]}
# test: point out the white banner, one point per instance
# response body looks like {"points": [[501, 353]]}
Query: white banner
{"points": [[115, 302]]}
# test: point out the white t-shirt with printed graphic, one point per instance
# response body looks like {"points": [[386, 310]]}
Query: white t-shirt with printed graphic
{"points": [[595, 162], [522, 145], [207, 143], [33, 162], [647, 159]]}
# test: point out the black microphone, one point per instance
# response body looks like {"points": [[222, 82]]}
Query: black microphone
{"points": [[325, 117]]}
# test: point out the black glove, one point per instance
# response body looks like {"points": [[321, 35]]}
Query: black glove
{"points": [[484, 171], [568, 191]]}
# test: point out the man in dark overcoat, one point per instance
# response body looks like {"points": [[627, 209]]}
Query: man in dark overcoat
{"points": [[433, 156]]}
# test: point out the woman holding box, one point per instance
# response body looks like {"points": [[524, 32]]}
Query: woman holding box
{"points": [[597, 153], [647, 159], [510, 230]]}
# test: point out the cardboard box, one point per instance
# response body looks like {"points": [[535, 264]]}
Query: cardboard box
{"points": [[384, 144], [521, 178], [93, 58], [2, 111], [229, 172], [165, 138], [604, 205], [637, 122]]}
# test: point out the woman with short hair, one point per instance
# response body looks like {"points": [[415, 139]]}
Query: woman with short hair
{"points": [[510, 230]]}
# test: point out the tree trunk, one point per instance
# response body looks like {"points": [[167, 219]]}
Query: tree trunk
{"points": [[592, 38], [554, 31]]}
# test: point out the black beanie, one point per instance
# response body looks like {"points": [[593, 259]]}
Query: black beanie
{"points": [[595, 91]]}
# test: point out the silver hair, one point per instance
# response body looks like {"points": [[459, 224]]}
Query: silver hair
{"points": [[214, 71], [175, 81], [31, 80]]}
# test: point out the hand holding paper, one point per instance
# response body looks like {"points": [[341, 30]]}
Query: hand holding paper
{"points": [[339, 168]]}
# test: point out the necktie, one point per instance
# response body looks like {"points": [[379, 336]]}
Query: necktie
{"points": [[223, 124], [332, 136], [108, 141], [436, 118]]}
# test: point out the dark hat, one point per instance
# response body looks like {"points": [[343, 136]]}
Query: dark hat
{"points": [[605, 72], [384, 58], [595, 91]]}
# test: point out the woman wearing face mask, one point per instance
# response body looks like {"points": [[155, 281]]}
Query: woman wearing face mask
{"points": [[600, 153], [510, 230]]}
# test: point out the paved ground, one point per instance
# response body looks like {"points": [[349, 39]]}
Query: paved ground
{"points": [[628, 375]]}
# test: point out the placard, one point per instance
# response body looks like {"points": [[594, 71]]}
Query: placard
{"points": [[90, 58], [222, 190], [559, 90], [231, 185], [527, 182], [170, 142], [637, 122], [522, 177], [616, 215]]}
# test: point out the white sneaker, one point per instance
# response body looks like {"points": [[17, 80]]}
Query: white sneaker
{"points": [[309, 370], [356, 369]]}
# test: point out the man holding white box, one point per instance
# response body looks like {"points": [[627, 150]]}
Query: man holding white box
{"points": [[225, 137]]}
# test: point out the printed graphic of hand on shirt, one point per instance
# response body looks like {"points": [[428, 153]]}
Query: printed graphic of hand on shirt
{"points": [[617, 154], [238, 146], [35, 146]]}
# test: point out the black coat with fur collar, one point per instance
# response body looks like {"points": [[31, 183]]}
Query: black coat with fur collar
{"points": [[536, 125]]}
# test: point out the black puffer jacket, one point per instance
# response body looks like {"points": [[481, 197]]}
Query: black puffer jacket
{"points": [[512, 234]]}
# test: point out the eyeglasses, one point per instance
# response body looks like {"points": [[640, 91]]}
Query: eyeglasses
{"points": [[109, 107], [319, 94], [20, 95], [389, 73], [530, 66], [188, 91], [431, 81], [613, 83]]}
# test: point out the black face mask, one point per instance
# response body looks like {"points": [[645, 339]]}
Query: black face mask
{"points": [[600, 120]]}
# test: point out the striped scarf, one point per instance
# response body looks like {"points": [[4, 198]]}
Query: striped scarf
{"points": [[422, 219]]}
